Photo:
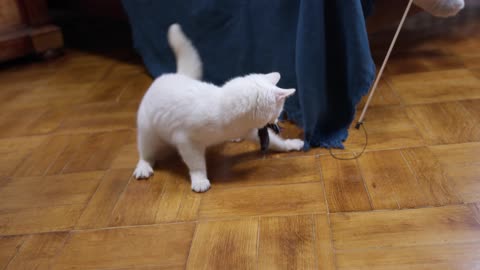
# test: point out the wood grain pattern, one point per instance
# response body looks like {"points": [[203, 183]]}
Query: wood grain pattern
{"points": [[9, 246], [462, 256], [73, 72], [39, 220], [98, 211], [390, 182], [49, 191], [324, 244], [475, 208], [14, 150], [170, 267], [94, 117], [264, 200], [433, 238], [139, 202], [388, 128], [237, 173], [38, 74], [444, 123], [411, 201], [42, 204], [48, 121], [40, 161], [18, 121], [225, 245], [163, 245], [38, 251], [76, 144], [430, 176], [436, 86], [344, 186], [476, 72], [286, 243], [98, 151], [135, 88], [449, 224], [164, 198], [384, 95], [46, 94], [127, 157], [422, 61], [473, 107], [471, 61], [173, 196], [190, 206], [461, 163]]}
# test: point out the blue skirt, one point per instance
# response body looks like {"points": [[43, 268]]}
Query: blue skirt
{"points": [[320, 47]]}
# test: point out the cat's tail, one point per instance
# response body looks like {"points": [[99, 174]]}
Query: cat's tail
{"points": [[188, 60]]}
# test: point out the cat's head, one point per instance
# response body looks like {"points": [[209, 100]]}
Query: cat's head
{"points": [[271, 98]]}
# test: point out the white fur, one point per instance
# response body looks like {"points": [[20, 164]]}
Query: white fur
{"points": [[190, 115], [441, 8], [189, 63]]}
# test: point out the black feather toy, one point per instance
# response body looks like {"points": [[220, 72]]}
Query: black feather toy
{"points": [[264, 138]]}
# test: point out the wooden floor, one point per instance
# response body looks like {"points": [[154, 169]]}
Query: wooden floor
{"points": [[412, 201]]}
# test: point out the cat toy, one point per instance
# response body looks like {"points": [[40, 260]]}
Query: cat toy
{"points": [[374, 87], [264, 138], [385, 60]]}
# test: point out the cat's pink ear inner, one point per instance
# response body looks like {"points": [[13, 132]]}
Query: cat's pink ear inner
{"points": [[273, 77], [282, 94]]}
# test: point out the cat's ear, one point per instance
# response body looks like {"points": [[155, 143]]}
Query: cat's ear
{"points": [[282, 94], [273, 77]]}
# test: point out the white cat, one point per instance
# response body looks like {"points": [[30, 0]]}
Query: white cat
{"points": [[179, 110]]}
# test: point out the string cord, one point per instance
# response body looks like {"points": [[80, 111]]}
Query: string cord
{"points": [[370, 96], [354, 156]]}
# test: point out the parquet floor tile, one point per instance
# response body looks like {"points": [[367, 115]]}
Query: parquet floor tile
{"points": [[411, 201]]}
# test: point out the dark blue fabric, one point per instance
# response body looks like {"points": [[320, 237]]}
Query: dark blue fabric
{"points": [[320, 47]]}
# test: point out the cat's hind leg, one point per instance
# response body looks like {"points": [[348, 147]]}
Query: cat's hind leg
{"points": [[148, 146], [277, 143]]}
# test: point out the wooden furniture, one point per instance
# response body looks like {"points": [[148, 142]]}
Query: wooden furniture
{"points": [[25, 28]]}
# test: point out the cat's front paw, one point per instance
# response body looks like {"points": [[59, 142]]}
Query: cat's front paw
{"points": [[200, 185], [294, 145], [237, 140], [143, 170]]}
